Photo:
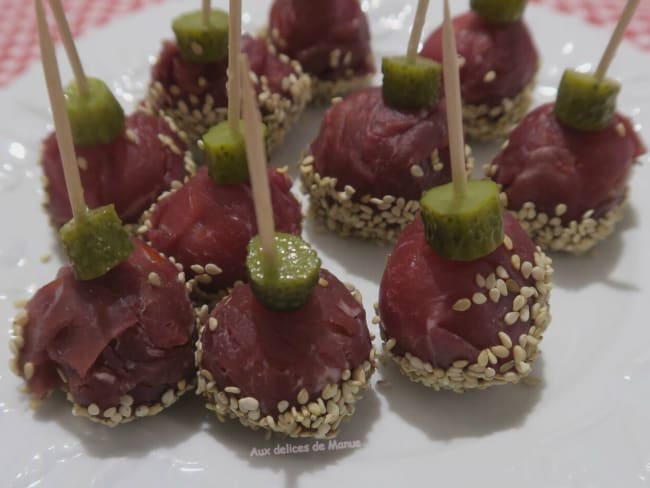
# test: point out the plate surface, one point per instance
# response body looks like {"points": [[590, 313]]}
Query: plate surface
{"points": [[586, 424]]}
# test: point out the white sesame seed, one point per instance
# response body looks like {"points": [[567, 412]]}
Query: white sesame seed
{"points": [[213, 323], [507, 242], [28, 370], [560, 209], [212, 269], [500, 351], [197, 268], [232, 390], [303, 396], [479, 298], [505, 339], [518, 303], [323, 282], [462, 305], [417, 171], [494, 294], [620, 129], [511, 317], [154, 279], [490, 76], [93, 410]]}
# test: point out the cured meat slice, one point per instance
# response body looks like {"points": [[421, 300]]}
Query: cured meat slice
{"points": [[206, 226], [464, 324], [131, 171], [122, 340]]}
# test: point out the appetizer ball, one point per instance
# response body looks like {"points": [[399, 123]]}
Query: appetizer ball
{"points": [[205, 226], [120, 346], [568, 187], [131, 171], [497, 74], [298, 373], [330, 39], [194, 94], [459, 325], [370, 163]]}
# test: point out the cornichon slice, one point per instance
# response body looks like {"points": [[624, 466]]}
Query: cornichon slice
{"points": [[200, 42], [499, 11], [410, 86], [286, 284], [585, 103], [463, 228], [95, 242], [95, 118], [224, 153]]}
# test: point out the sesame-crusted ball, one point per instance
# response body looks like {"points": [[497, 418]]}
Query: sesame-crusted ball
{"points": [[194, 95], [567, 187], [130, 171], [121, 345], [464, 324], [298, 373], [205, 226], [366, 170], [331, 40], [497, 72]]}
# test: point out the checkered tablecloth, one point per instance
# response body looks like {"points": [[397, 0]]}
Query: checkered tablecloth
{"points": [[19, 43]]}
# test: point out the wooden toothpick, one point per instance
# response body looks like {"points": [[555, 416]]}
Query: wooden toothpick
{"points": [[615, 40], [454, 107], [256, 156], [60, 113], [416, 30], [206, 11], [234, 83], [70, 48]]}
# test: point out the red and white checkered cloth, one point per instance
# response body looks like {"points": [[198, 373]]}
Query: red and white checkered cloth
{"points": [[19, 43]]}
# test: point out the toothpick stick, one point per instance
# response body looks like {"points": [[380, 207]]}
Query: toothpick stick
{"points": [[256, 156], [70, 48], [416, 30], [454, 107], [206, 11], [617, 37], [61, 121], [234, 83]]}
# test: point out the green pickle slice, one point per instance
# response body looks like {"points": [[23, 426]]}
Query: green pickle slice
{"points": [[286, 284], [585, 103], [95, 242], [201, 43], [410, 86], [463, 228], [96, 118], [499, 11], [224, 152]]}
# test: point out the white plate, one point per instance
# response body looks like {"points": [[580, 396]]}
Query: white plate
{"points": [[585, 425]]}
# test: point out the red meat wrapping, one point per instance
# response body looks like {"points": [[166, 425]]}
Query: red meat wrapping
{"points": [[205, 222], [112, 336], [419, 288], [368, 145], [272, 355], [172, 69], [548, 163], [310, 31], [506, 49], [130, 174]]}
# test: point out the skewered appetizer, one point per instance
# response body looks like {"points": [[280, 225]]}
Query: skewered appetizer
{"points": [[130, 169], [499, 62], [565, 168], [189, 78], [330, 39], [463, 301], [125, 161], [115, 328], [207, 224], [290, 351], [379, 149]]}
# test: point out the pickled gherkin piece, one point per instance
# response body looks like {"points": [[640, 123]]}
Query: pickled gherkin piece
{"points": [[585, 103], [287, 283], [410, 86], [463, 228], [95, 242], [200, 42], [224, 153], [499, 11], [95, 118]]}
